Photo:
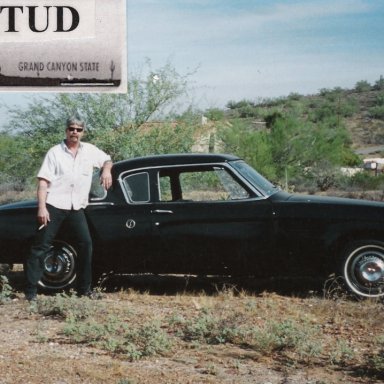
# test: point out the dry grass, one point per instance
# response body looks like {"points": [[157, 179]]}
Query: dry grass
{"points": [[144, 332]]}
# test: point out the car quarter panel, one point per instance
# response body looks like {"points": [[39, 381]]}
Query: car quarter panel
{"points": [[313, 228], [18, 226]]}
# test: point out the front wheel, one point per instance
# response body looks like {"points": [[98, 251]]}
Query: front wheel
{"points": [[363, 268], [59, 267]]}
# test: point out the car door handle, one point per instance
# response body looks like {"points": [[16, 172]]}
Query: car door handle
{"points": [[162, 211]]}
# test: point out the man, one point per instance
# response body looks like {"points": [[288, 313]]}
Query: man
{"points": [[64, 182]]}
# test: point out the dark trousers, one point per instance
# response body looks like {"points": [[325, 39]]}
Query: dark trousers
{"points": [[77, 225]]}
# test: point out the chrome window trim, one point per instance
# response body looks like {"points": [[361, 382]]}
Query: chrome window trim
{"points": [[121, 179], [259, 194], [262, 191]]}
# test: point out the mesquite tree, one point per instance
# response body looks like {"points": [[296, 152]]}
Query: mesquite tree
{"points": [[113, 120]]}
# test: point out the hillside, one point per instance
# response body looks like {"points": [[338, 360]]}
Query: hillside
{"points": [[365, 130], [361, 112]]}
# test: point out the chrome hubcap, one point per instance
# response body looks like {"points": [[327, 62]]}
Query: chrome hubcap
{"points": [[59, 267], [364, 271], [371, 269]]}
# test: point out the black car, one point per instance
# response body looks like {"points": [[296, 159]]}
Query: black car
{"points": [[209, 214]]}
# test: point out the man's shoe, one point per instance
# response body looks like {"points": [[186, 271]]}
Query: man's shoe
{"points": [[30, 297]]}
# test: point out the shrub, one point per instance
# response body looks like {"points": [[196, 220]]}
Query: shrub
{"points": [[379, 84], [66, 306], [215, 114], [363, 86], [130, 339], [286, 335], [365, 181], [6, 290], [377, 360], [86, 322], [342, 353], [377, 112], [212, 329]]}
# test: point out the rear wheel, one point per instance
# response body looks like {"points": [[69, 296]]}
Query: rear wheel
{"points": [[363, 268], [59, 267]]}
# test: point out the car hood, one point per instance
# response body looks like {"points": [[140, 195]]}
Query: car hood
{"points": [[19, 205], [287, 205], [330, 200]]}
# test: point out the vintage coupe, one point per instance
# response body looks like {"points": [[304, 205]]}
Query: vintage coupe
{"points": [[210, 214]]}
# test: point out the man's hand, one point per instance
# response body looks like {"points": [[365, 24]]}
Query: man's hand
{"points": [[106, 176], [43, 216], [42, 211]]}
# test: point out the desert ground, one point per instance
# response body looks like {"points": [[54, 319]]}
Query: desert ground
{"points": [[177, 329]]}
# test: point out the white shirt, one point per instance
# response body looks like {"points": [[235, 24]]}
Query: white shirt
{"points": [[70, 176]]}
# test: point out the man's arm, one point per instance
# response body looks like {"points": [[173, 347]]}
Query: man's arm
{"points": [[42, 212], [106, 176]]}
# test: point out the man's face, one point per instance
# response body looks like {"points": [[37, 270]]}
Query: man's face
{"points": [[74, 133]]}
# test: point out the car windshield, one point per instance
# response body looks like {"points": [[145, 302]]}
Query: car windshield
{"points": [[253, 177]]}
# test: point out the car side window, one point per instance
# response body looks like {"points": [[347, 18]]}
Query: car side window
{"points": [[210, 184], [97, 191], [137, 187]]}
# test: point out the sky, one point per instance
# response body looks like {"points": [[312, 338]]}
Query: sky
{"points": [[261, 48], [254, 49]]}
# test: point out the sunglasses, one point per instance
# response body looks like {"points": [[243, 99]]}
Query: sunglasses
{"points": [[72, 129]]}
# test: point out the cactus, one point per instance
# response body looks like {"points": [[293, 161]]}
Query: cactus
{"points": [[112, 67]]}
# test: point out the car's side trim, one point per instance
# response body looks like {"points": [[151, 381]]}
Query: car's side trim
{"points": [[101, 203]]}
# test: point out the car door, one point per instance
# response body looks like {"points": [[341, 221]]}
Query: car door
{"points": [[208, 222], [121, 225]]}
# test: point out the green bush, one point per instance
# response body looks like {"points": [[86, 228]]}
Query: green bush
{"points": [[379, 84], [133, 340], [333, 109], [108, 332], [365, 181], [212, 329], [363, 86], [245, 109], [377, 360], [215, 114], [252, 146], [6, 291], [377, 112], [66, 306]]}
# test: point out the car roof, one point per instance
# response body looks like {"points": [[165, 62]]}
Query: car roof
{"points": [[173, 159]]}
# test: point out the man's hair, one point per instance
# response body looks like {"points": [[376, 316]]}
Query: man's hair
{"points": [[76, 120]]}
